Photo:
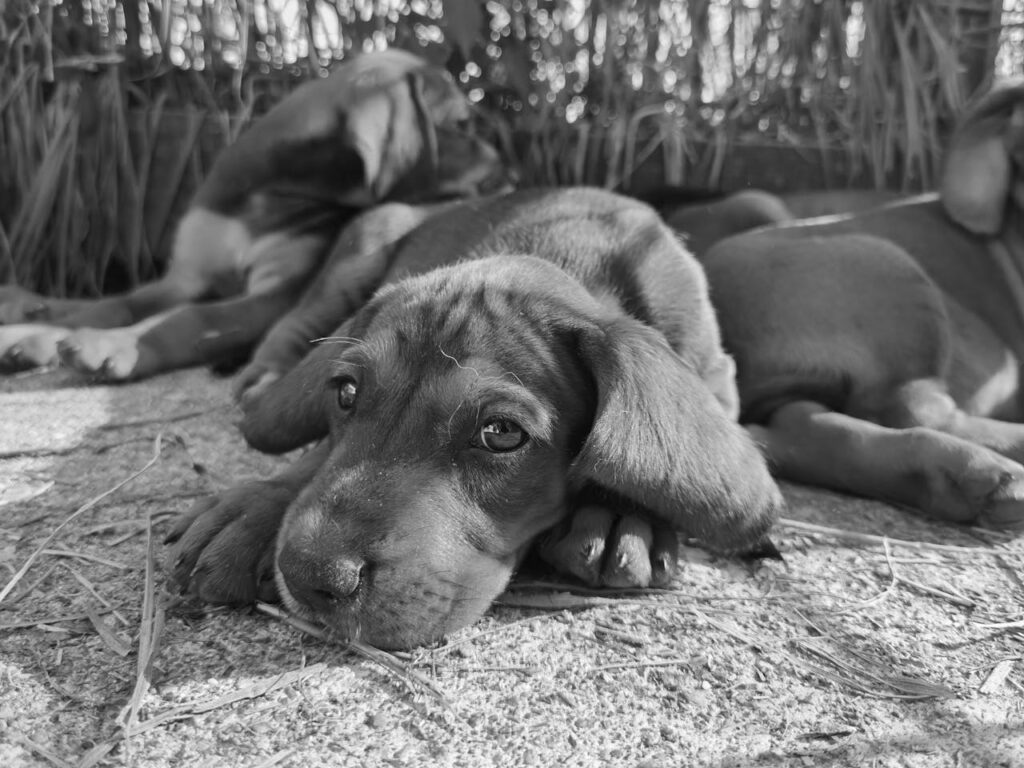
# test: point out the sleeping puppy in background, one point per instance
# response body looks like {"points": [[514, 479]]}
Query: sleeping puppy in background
{"points": [[382, 126], [542, 368]]}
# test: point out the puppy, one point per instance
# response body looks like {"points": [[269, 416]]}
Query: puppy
{"points": [[538, 367], [382, 126], [880, 353]]}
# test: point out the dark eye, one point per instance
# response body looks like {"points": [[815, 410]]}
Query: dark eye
{"points": [[501, 436], [346, 390]]}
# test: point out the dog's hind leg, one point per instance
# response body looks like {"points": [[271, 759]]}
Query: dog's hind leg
{"points": [[945, 476], [927, 404]]}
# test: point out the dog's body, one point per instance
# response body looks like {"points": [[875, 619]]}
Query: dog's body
{"points": [[382, 126], [880, 353], [544, 360]]}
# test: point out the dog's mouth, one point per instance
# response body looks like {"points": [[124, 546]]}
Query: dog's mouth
{"points": [[395, 607]]}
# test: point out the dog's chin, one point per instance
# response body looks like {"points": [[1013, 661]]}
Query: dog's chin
{"points": [[402, 615]]}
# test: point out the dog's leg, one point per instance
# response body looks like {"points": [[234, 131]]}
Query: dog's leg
{"points": [[926, 404], [355, 268], [18, 305], [941, 474], [223, 548], [31, 345], [193, 334]]}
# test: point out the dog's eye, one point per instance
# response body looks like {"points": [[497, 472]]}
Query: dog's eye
{"points": [[501, 436], [347, 391]]}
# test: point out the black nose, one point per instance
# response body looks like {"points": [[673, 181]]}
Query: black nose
{"points": [[322, 584]]}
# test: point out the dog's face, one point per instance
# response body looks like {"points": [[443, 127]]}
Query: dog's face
{"points": [[454, 424], [411, 126], [985, 159], [465, 409]]}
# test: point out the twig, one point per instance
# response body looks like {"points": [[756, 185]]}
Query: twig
{"points": [[75, 515], [952, 597], [277, 757], [642, 664], [997, 676], [88, 558], [39, 749], [112, 641], [894, 580], [150, 632], [92, 591], [382, 658], [46, 621], [160, 419], [869, 538]]}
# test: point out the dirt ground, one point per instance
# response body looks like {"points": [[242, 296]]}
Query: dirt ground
{"points": [[883, 640]]}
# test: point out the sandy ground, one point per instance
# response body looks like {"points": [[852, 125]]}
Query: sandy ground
{"points": [[883, 640]]}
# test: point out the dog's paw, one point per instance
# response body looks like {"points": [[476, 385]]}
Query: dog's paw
{"points": [[113, 354], [1003, 508], [222, 550], [963, 482], [26, 346], [251, 381], [18, 305], [604, 549]]}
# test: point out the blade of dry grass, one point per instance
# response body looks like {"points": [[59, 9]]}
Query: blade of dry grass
{"points": [[20, 573], [412, 679], [873, 539], [150, 633]]}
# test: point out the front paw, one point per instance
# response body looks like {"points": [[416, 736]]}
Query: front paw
{"points": [[250, 383], [27, 345], [114, 354], [223, 548], [604, 549]]}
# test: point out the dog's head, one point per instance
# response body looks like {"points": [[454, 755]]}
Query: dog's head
{"points": [[466, 409], [383, 125], [412, 128], [984, 160]]}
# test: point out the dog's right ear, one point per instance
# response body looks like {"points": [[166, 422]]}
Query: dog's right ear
{"points": [[979, 167], [290, 412], [662, 439]]}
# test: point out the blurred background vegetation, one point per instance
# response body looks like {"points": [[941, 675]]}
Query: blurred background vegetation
{"points": [[112, 110]]}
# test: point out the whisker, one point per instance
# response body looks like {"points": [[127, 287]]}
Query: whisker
{"points": [[337, 340]]}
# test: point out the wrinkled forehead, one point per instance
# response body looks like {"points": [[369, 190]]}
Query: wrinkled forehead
{"points": [[469, 318]]}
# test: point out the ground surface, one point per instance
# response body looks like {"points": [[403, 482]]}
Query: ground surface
{"points": [[860, 650]]}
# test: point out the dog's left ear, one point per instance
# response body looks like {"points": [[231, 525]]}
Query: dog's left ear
{"points": [[290, 412], [662, 439], [979, 168], [407, 114]]}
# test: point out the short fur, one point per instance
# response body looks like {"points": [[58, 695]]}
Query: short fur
{"points": [[574, 315]]}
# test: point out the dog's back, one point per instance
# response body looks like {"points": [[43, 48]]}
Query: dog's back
{"points": [[617, 248]]}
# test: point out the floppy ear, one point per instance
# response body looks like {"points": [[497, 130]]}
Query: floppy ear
{"points": [[663, 440], [395, 130], [289, 413], [978, 170]]}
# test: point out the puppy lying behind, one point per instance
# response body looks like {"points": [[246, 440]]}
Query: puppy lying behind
{"points": [[881, 353], [383, 126], [546, 361]]}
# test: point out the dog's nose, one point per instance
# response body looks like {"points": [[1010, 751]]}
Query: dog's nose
{"points": [[322, 584]]}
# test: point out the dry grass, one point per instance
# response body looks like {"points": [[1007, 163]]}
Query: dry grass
{"points": [[882, 640]]}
